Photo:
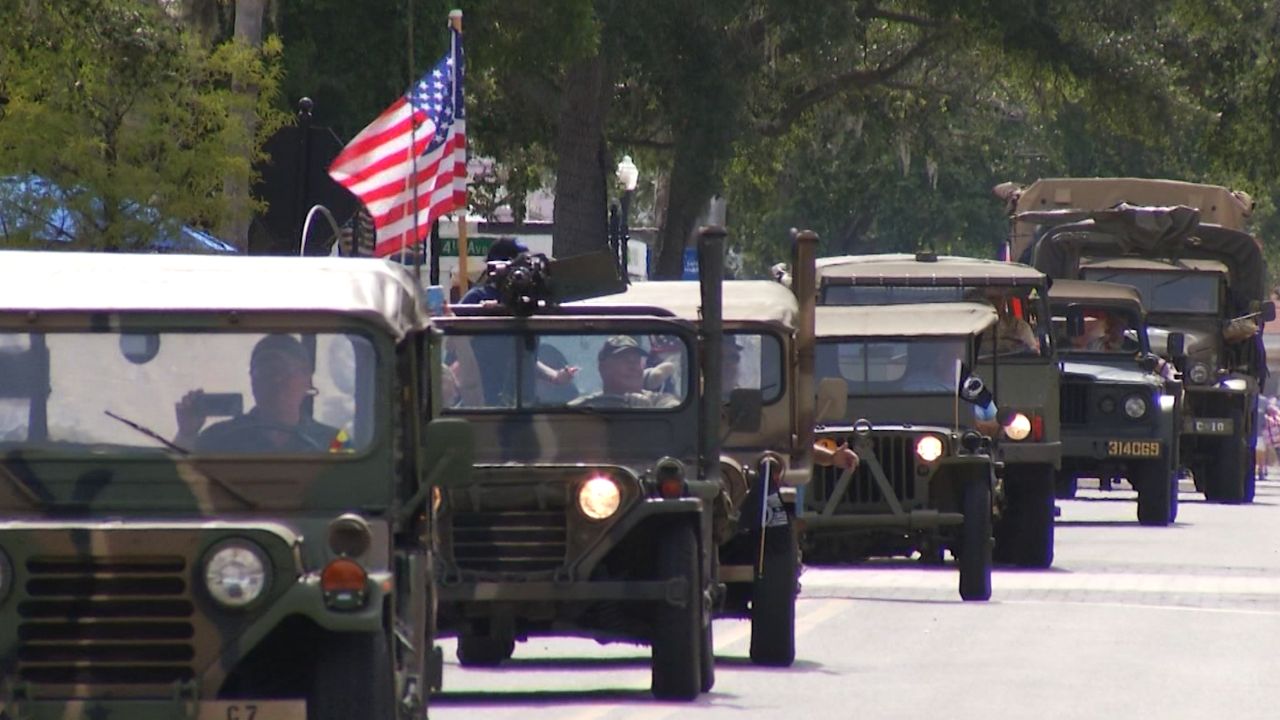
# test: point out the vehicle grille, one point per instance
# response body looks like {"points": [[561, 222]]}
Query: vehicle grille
{"points": [[512, 528], [106, 620], [1073, 404], [896, 454]]}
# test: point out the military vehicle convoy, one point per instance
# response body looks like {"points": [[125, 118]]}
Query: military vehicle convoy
{"points": [[1017, 361], [165, 553], [589, 511], [1120, 415], [1203, 287], [926, 481]]}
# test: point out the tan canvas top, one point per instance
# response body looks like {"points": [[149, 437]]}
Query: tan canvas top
{"points": [[1133, 263], [376, 290], [1217, 205], [924, 319], [742, 300], [1090, 291], [903, 268]]}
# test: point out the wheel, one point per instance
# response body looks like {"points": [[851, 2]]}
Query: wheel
{"points": [[773, 600], [677, 636], [338, 692], [1230, 471], [1174, 478], [1029, 495], [708, 657], [975, 541], [1064, 485], [483, 651], [1157, 499]]}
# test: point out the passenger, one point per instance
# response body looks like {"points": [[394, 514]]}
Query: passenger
{"points": [[280, 374], [620, 363], [1110, 336], [1013, 334], [504, 248]]}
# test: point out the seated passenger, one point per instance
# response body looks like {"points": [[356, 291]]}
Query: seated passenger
{"points": [[1110, 336], [1013, 334], [280, 374], [620, 363]]}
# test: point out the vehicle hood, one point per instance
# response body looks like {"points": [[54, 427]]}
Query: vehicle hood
{"points": [[1125, 371], [1198, 341]]}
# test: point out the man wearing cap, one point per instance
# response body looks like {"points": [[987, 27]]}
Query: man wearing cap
{"points": [[280, 374], [620, 363], [503, 249]]}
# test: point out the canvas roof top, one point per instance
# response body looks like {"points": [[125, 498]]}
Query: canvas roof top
{"points": [[1090, 291], [924, 319], [905, 269], [120, 282], [742, 300]]}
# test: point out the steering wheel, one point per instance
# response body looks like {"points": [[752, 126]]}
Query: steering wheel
{"points": [[258, 427]]}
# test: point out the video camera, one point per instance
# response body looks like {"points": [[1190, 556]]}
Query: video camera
{"points": [[523, 283]]}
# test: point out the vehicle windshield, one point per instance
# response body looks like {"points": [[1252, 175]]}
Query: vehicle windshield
{"points": [[1099, 330], [206, 393], [893, 366], [1171, 292], [558, 371], [753, 361], [1023, 328]]}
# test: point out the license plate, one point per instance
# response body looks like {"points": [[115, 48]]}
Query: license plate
{"points": [[1133, 448], [253, 710], [1212, 426]]}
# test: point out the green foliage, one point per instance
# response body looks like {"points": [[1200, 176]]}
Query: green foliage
{"points": [[119, 106]]}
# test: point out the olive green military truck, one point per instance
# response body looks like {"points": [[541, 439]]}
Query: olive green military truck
{"points": [[1018, 361], [597, 466], [1120, 414], [767, 385], [926, 481], [1203, 287], [216, 479]]}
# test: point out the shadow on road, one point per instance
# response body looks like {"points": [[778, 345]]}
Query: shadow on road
{"points": [[543, 697], [581, 663]]}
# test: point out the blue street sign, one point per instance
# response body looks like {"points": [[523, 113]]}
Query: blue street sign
{"points": [[690, 264]]}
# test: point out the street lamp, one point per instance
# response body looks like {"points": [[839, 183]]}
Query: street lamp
{"points": [[627, 175]]}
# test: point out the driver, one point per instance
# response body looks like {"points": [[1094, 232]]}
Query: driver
{"points": [[620, 363], [280, 373]]}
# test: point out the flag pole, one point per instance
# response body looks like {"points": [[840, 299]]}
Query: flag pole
{"points": [[464, 280], [413, 158]]}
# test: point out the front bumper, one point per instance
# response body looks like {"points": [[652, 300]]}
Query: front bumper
{"points": [[1112, 447], [154, 710]]}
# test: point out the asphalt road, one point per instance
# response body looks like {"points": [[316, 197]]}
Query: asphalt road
{"points": [[1177, 622]]}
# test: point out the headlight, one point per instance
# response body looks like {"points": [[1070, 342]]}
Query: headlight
{"points": [[1199, 373], [1135, 407], [929, 448], [1019, 427], [599, 498], [6, 576], [1237, 384], [236, 574]]}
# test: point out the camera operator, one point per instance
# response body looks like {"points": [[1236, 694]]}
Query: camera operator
{"points": [[504, 249]]}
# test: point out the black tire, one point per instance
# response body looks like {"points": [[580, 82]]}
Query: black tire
{"points": [[483, 651], [1230, 470], [1157, 499], [676, 665], [1029, 495], [975, 541], [1064, 485], [353, 678], [708, 657], [773, 600]]}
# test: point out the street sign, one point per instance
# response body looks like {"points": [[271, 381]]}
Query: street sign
{"points": [[690, 264]]}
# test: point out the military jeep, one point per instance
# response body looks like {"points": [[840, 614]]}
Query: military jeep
{"points": [[1018, 359], [1120, 415], [1203, 289], [274, 564], [590, 508], [926, 481]]}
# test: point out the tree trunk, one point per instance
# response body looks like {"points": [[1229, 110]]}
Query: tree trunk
{"points": [[694, 177], [248, 29], [583, 163]]}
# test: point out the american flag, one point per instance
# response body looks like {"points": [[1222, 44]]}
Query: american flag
{"points": [[418, 144]]}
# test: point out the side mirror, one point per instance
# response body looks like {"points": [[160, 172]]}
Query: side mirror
{"points": [[833, 400], [449, 450], [1268, 311], [1177, 346], [746, 406]]}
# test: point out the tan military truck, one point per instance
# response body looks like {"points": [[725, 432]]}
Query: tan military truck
{"points": [[168, 550], [590, 507], [926, 482], [1120, 415], [1203, 287], [1018, 361]]}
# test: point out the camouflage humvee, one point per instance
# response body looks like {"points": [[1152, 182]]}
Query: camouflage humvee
{"points": [[589, 512], [926, 481], [1120, 416], [275, 565], [1203, 287], [1019, 360], [767, 382]]}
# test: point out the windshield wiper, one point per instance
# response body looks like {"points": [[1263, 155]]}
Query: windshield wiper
{"points": [[183, 451]]}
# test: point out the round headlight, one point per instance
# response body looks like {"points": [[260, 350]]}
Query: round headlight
{"points": [[599, 498], [1019, 427], [236, 574], [1199, 373], [1135, 407], [929, 448], [6, 575]]}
